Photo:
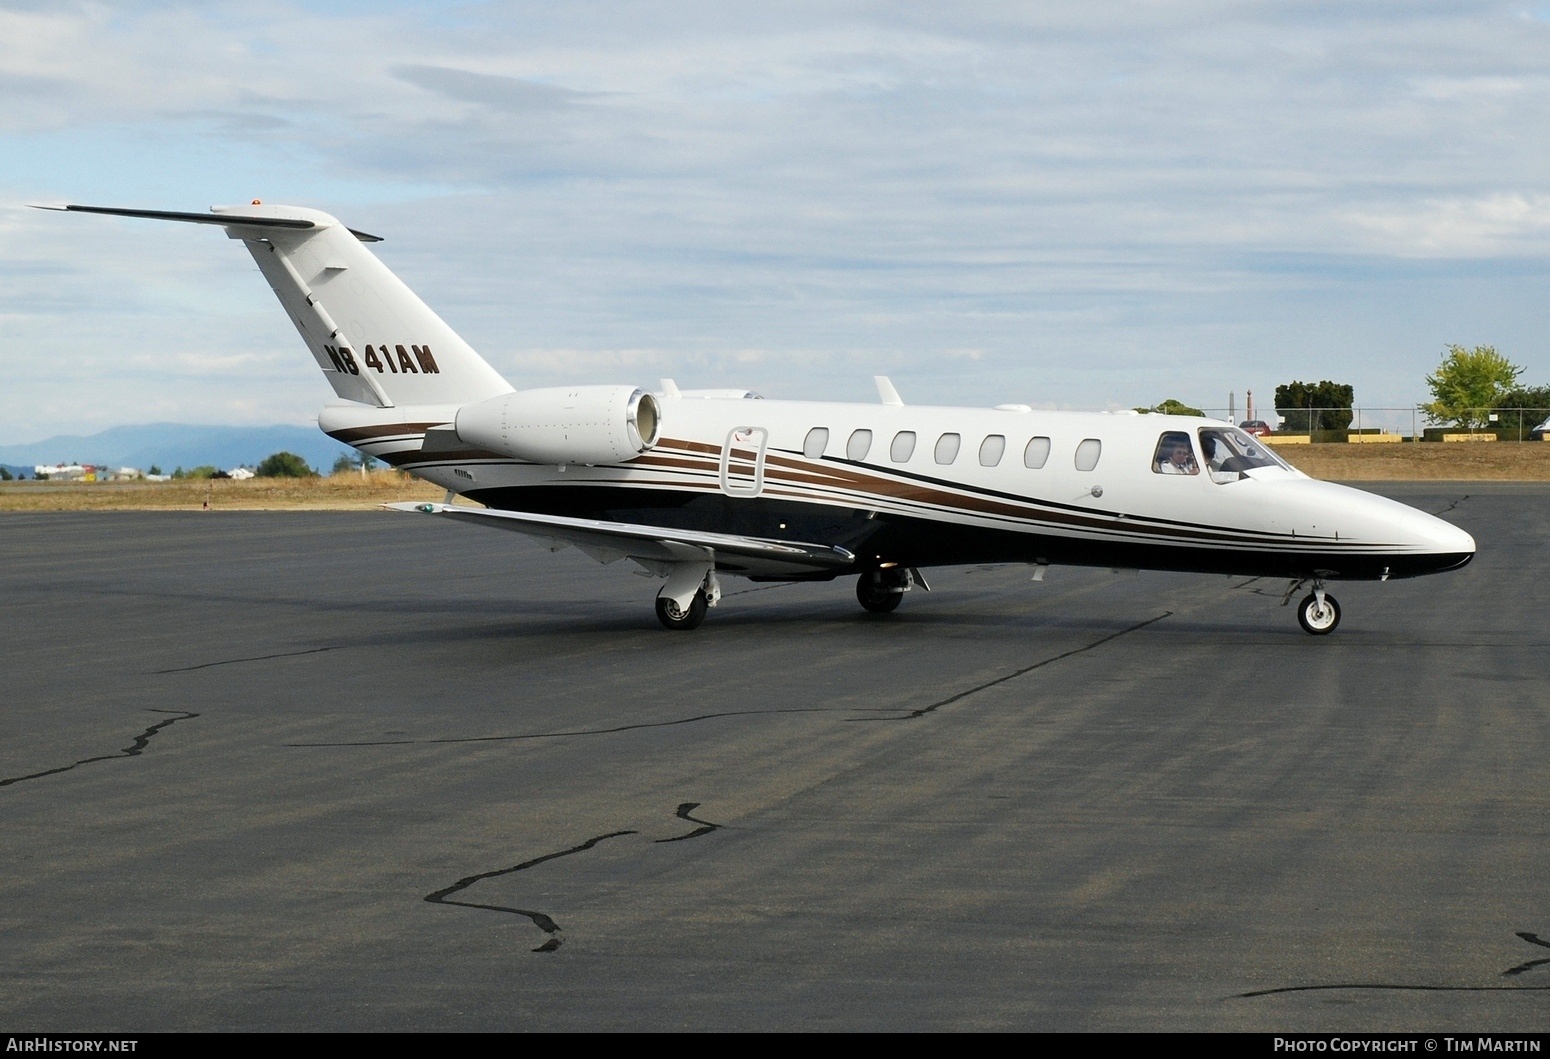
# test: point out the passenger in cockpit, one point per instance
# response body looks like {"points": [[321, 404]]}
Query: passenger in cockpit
{"points": [[1216, 455]]}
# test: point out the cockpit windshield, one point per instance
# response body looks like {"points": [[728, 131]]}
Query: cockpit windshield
{"points": [[1229, 452]]}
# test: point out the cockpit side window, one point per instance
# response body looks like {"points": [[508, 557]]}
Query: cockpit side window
{"points": [[1174, 454]]}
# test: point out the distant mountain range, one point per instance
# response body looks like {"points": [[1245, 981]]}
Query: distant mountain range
{"points": [[173, 445]]}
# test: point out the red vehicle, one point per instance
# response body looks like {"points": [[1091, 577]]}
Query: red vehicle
{"points": [[1258, 427]]}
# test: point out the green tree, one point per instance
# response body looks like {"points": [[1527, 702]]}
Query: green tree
{"points": [[285, 465], [1172, 407], [353, 461], [154, 469], [1309, 407], [1521, 409], [5, 474], [1468, 385]]}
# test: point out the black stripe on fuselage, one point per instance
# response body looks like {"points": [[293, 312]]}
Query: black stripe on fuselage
{"points": [[877, 537], [1033, 508]]}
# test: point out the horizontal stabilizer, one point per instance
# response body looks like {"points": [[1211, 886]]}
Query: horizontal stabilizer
{"points": [[653, 544], [224, 219]]}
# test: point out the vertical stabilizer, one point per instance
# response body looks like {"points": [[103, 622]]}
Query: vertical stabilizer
{"points": [[375, 340]]}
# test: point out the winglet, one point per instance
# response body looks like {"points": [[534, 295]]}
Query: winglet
{"points": [[886, 393], [670, 388]]}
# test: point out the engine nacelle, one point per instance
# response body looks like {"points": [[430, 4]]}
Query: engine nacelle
{"points": [[564, 424]]}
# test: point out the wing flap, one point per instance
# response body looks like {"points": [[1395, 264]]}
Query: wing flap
{"points": [[656, 544]]}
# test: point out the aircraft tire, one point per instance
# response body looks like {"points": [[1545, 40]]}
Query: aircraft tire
{"points": [[875, 597], [1313, 621], [671, 618]]}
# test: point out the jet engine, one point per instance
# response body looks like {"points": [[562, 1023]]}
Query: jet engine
{"points": [[564, 424]]}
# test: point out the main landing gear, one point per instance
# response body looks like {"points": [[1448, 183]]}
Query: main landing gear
{"points": [[692, 589], [1318, 613], [672, 616], [880, 591]]}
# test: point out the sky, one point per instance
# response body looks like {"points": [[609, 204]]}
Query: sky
{"points": [[1074, 205]]}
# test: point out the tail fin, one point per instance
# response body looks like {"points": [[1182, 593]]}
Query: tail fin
{"points": [[375, 340]]}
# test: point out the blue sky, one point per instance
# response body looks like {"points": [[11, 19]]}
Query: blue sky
{"points": [[1079, 205]]}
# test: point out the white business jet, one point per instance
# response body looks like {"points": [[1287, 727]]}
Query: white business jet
{"points": [[695, 484]]}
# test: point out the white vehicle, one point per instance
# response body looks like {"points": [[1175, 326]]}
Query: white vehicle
{"points": [[692, 484]]}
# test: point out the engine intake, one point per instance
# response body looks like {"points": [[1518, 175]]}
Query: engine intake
{"points": [[564, 424]]}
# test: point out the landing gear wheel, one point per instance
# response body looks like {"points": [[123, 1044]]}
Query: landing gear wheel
{"points": [[876, 596], [672, 617], [1317, 620]]}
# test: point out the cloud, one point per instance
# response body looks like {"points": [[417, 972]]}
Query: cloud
{"points": [[1081, 194], [1503, 224], [498, 92]]}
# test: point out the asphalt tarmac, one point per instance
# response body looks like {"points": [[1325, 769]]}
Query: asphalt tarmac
{"points": [[375, 771]]}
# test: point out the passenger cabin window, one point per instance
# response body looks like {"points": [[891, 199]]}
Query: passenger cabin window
{"points": [[816, 441], [992, 449], [1174, 454], [903, 446], [1087, 454], [1230, 452], [1035, 455], [947, 448], [859, 445]]}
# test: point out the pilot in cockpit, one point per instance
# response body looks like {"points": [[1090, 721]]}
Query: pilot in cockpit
{"points": [[1174, 455]]}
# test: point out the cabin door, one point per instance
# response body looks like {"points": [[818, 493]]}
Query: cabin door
{"points": [[742, 461]]}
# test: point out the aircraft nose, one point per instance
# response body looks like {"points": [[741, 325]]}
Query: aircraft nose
{"points": [[1437, 544], [1452, 539], [1451, 545]]}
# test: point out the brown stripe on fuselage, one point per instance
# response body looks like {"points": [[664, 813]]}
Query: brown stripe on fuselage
{"points": [[824, 474], [417, 456], [351, 435]]}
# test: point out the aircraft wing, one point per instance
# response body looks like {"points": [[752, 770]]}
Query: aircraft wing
{"points": [[652, 546]]}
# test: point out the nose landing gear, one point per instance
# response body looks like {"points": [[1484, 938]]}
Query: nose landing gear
{"points": [[1318, 613]]}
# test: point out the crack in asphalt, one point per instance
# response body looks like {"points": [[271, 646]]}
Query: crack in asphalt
{"points": [[134, 749], [1531, 938], [697, 718], [759, 588], [1398, 987], [914, 714], [586, 731], [542, 920], [234, 661], [539, 919], [1453, 505], [706, 826]]}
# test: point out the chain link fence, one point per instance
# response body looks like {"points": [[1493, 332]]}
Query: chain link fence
{"points": [[1372, 424]]}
